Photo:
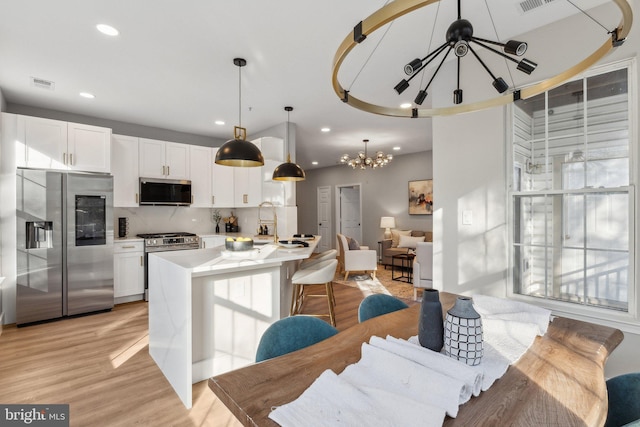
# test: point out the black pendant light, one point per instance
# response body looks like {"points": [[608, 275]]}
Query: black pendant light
{"points": [[288, 171], [239, 151]]}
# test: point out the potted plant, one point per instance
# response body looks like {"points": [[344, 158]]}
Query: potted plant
{"points": [[217, 216]]}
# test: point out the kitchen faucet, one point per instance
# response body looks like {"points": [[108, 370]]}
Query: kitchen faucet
{"points": [[274, 222]]}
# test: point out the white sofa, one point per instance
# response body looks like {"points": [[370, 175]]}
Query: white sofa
{"points": [[364, 259], [423, 268]]}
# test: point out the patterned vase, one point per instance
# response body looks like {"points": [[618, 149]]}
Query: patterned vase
{"points": [[463, 332], [430, 327]]}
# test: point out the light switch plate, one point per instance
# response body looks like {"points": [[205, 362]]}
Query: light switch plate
{"points": [[467, 217]]}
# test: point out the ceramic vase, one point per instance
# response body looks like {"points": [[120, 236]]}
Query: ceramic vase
{"points": [[217, 227], [463, 332], [430, 327]]}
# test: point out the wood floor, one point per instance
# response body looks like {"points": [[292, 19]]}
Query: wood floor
{"points": [[100, 366]]}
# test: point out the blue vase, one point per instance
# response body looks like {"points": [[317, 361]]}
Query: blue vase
{"points": [[430, 327]]}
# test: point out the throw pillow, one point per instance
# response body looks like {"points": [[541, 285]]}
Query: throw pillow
{"points": [[395, 236], [354, 245], [417, 233], [409, 241]]}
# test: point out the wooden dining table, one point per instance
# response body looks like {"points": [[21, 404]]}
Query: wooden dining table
{"points": [[559, 381]]}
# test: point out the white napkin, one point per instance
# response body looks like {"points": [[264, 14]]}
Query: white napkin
{"points": [[331, 401], [380, 369], [436, 361], [500, 308]]}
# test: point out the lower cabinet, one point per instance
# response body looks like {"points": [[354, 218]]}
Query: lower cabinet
{"points": [[128, 271]]}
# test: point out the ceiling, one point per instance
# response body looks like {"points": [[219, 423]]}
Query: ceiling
{"points": [[171, 66]]}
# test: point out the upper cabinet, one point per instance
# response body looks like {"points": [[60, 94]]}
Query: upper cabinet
{"points": [[222, 184], [124, 150], [162, 159], [89, 148], [248, 185], [54, 144], [201, 160]]}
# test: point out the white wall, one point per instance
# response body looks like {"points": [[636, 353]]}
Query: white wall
{"points": [[468, 172], [384, 192], [469, 169]]}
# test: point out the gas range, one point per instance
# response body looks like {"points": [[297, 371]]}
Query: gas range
{"points": [[157, 242]]}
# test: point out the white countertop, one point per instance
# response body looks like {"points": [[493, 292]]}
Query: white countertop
{"points": [[203, 261]]}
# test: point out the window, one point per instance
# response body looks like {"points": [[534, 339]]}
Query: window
{"points": [[571, 195]]}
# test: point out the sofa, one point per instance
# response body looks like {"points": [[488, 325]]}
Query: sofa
{"points": [[423, 268], [393, 246]]}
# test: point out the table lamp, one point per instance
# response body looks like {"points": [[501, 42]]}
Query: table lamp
{"points": [[387, 222]]}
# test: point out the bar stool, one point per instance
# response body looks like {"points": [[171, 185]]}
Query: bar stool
{"points": [[323, 256], [316, 274]]}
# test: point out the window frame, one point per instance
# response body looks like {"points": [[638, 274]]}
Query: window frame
{"points": [[625, 320]]}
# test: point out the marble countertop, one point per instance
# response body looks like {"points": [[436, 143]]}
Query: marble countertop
{"points": [[218, 260]]}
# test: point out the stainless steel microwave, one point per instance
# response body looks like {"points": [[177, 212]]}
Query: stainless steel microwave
{"points": [[165, 192]]}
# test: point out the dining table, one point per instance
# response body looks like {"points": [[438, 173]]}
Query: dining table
{"points": [[559, 381]]}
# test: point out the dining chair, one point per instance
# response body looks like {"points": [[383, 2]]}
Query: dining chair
{"points": [[291, 334], [624, 400], [378, 304]]}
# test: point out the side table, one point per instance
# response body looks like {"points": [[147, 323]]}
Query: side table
{"points": [[405, 265]]}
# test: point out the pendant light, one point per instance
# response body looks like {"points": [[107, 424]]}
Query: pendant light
{"points": [[239, 151], [288, 171]]}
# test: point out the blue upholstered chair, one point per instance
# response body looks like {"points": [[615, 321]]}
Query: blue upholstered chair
{"points": [[377, 304], [291, 334], [624, 399]]}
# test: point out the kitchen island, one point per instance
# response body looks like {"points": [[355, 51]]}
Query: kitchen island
{"points": [[208, 308]]}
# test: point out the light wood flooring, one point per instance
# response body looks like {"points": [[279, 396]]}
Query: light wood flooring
{"points": [[100, 366]]}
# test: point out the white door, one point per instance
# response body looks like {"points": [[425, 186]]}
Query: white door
{"points": [[324, 219], [350, 212]]}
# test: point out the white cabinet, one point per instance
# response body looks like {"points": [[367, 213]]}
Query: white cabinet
{"points": [[124, 150], [162, 159], [89, 148], [222, 186], [128, 269], [248, 185], [41, 143], [54, 144], [207, 242], [201, 167]]}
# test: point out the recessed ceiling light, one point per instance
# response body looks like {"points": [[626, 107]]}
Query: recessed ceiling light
{"points": [[219, 122], [314, 163], [325, 130], [405, 105], [87, 95], [107, 29], [396, 148]]}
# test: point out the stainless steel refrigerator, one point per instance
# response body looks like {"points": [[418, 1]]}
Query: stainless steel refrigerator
{"points": [[64, 243]]}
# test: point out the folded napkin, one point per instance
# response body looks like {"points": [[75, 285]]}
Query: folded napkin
{"points": [[304, 236], [382, 370], [439, 362], [500, 308], [331, 401]]}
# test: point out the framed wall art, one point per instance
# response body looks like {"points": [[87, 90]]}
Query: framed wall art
{"points": [[421, 197]]}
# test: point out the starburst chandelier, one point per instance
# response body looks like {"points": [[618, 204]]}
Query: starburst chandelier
{"points": [[363, 161]]}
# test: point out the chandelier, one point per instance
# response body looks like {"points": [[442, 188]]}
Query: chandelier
{"points": [[363, 161], [460, 40]]}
